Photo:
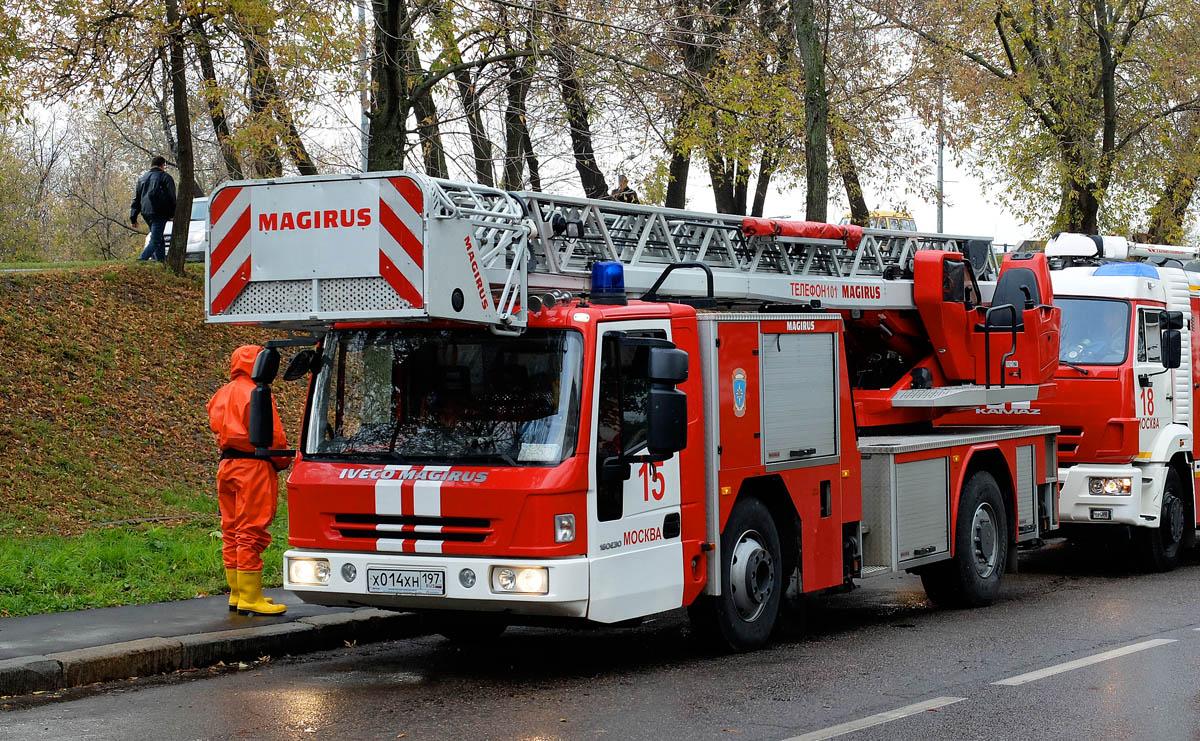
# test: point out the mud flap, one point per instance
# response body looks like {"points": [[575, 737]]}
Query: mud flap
{"points": [[1010, 563]]}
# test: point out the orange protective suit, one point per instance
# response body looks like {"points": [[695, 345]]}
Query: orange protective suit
{"points": [[247, 489]]}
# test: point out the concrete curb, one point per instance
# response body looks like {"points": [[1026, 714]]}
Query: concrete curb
{"points": [[55, 671]]}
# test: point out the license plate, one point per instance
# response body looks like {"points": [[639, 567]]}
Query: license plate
{"points": [[406, 581], [1102, 514]]}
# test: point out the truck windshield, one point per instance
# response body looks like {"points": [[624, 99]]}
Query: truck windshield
{"points": [[447, 395], [1095, 331]]}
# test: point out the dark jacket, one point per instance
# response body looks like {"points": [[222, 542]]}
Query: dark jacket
{"points": [[154, 196]]}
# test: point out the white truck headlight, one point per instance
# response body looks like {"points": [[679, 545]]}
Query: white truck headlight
{"points": [[1107, 486], [520, 579], [308, 571], [564, 528]]}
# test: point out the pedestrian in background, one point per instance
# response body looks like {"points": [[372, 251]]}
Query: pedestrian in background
{"points": [[247, 486], [624, 193], [154, 199]]}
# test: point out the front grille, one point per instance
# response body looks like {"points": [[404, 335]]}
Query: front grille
{"points": [[1068, 440], [413, 527]]}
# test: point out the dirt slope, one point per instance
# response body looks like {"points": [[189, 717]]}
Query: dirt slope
{"points": [[104, 374]]}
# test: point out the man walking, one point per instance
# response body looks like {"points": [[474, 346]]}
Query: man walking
{"points": [[154, 198], [247, 486]]}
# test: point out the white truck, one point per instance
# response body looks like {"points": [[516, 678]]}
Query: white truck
{"points": [[1125, 393]]}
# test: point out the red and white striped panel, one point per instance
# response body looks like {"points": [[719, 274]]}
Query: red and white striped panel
{"points": [[419, 498], [229, 246], [401, 252]]}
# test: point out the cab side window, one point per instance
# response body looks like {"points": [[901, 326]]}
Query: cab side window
{"points": [[1149, 340], [621, 409]]}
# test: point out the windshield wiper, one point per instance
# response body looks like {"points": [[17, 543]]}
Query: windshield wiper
{"points": [[1069, 364]]}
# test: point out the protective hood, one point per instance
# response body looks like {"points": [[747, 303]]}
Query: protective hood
{"points": [[242, 363]]}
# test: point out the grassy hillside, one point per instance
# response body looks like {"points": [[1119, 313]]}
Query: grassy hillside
{"points": [[107, 474]]}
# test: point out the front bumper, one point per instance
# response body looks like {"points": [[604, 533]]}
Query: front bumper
{"points": [[1140, 508], [567, 596]]}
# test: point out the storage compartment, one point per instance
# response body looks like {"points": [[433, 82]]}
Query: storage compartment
{"points": [[1026, 494], [799, 381], [922, 508]]}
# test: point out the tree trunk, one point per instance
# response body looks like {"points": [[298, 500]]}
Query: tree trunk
{"points": [[514, 143], [766, 168], [183, 136], [266, 161], [816, 111], [267, 102], [724, 176], [283, 113], [594, 185], [859, 213], [390, 105], [531, 160], [212, 97], [677, 171], [1179, 185], [425, 109], [428, 130], [481, 145], [1078, 211], [160, 104], [468, 95]]}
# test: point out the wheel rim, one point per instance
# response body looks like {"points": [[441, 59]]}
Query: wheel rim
{"points": [[751, 576], [1172, 525], [984, 543]]}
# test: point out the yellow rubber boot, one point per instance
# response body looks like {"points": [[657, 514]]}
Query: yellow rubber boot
{"points": [[231, 578], [250, 596]]}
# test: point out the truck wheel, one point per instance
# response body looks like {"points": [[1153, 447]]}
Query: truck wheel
{"points": [[744, 614], [1159, 547], [972, 577]]}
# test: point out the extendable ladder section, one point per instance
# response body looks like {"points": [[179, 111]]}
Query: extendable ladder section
{"points": [[572, 233]]}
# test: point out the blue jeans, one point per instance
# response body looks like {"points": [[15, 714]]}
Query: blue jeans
{"points": [[156, 247]]}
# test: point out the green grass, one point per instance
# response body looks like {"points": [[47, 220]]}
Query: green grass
{"points": [[122, 565], [107, 482], [69, 265]]}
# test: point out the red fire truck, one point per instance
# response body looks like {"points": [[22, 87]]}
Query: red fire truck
{"points": [[527, 407], [1124, 394]]}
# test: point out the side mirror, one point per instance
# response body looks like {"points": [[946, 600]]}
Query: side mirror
{"points": [[302, 364], [666, 421], [667, 365], [266, 366], [261, 423], [1171, 320], [1172, 346]]}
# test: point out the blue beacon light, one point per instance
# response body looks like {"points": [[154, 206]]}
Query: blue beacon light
{"points": [[608, 283]]}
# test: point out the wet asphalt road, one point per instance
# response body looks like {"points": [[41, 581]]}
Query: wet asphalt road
{"points": [[878, 649]]}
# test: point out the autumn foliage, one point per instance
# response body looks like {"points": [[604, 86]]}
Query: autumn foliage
{"points": [[105, 373]]}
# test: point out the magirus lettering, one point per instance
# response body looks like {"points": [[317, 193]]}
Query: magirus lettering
{"points": [[324, 219], [392, 474]]}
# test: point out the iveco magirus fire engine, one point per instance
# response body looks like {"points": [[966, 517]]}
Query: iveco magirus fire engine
{"points": [[525, 407], [1125, 390]]}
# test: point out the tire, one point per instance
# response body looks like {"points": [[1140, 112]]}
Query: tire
{"points": [[743, 617], [466, 629], [981, 542], [1159, 547]]}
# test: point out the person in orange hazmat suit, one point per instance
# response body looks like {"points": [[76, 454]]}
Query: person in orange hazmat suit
{"points": [[247, 487]]}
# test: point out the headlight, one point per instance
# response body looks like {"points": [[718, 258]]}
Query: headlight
{"points": [[520, 580], [564, 528], [309, 571], [1122, 486]]}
